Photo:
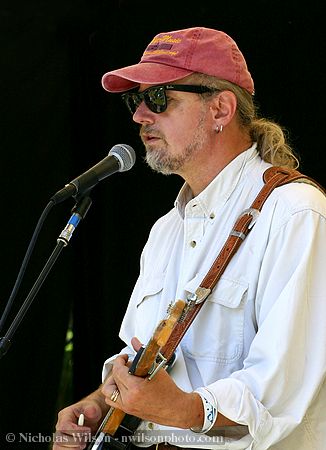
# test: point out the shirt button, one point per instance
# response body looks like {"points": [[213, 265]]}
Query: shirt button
{"points": [[150, 425], [212, 216], [193, 244]]}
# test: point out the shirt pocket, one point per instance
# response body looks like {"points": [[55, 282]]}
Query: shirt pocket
{"points": [[217, 334], [148, 306]]}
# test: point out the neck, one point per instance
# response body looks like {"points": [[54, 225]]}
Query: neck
{"points": [[208, 163]]}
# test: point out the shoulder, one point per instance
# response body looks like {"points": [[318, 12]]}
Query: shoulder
{"points": [[297, 204], [300, 193], [300, 196]]}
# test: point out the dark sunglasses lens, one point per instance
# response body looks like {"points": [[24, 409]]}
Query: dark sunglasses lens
{"points": [[155, 99], [132, 101]]}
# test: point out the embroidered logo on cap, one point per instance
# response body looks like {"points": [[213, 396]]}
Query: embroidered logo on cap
{"points": [[162, 45]]}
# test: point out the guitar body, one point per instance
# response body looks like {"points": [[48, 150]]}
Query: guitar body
{"points": [[117, 428]]}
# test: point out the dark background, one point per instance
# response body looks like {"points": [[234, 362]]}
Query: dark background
{"points": [[57, 121]]}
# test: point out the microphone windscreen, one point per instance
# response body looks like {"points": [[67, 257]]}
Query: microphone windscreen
{"points": [[125, 154]]}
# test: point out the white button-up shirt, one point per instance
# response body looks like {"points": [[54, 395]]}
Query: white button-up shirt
{"points": [[259, 342]]}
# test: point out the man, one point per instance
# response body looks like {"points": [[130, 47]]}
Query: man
{"points": [[251, 368]]}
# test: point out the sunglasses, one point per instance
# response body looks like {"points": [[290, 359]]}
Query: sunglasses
{"points": [[155, 96]]}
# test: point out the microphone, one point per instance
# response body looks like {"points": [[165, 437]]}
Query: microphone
{"points": [[121, 158]]}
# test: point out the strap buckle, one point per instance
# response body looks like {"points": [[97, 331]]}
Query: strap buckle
{"points": [[199, 296], [254, 213], [193, 299]]}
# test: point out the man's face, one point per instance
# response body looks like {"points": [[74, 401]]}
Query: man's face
{"points": [[174, 138]]}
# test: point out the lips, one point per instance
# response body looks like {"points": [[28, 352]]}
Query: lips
{"points": [[149, 137], [150, 134]]}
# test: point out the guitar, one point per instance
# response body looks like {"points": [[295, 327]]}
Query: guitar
{"points": [[117, 427]]}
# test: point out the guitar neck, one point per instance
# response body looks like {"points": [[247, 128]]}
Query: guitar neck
{"points": [[112, 421]]}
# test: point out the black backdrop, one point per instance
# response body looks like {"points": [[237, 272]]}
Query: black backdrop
{"points": [[57, 121]]}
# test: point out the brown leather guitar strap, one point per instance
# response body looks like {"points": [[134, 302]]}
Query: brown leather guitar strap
{"points": [[273, 177]]}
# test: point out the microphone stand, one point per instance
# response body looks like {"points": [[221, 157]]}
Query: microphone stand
{"points": [[79, 212]]}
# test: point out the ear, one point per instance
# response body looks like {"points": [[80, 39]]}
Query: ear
{"points": [[223, 108]]}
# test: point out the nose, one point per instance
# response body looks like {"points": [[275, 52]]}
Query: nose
{"points": [[143, 114]]}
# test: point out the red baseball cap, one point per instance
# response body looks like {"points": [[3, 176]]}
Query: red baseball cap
{"points": [[176, 54]]}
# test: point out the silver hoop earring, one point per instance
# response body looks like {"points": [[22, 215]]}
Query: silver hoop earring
{"points": [[219, 128]]}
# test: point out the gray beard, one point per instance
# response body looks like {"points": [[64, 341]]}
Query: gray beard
{"points": [[160, 161], [165, 164]]}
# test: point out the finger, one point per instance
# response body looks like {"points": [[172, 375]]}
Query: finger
{"points": [[121, 359], [135, 342], [91, 414], [120, 368], [121, 375], [114, 399], [68, 426], [108, 390]]}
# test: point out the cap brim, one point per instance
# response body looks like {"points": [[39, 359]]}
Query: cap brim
{"points": [[143, 73]]}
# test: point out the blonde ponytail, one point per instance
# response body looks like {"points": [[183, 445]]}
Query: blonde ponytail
{"points": [[271, 143]]}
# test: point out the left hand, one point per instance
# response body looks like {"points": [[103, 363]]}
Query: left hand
{"points": [[159, 400]]}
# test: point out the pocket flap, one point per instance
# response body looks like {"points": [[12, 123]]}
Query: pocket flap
{"points": [[229, 292], [151, 286]]}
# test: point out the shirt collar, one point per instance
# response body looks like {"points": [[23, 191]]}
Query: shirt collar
{"points": [[222, 186]]}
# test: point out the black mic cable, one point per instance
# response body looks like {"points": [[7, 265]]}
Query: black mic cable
{"points": [[26, 259]]}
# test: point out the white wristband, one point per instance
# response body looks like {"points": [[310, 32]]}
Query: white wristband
{"points": [[210, 410]]}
